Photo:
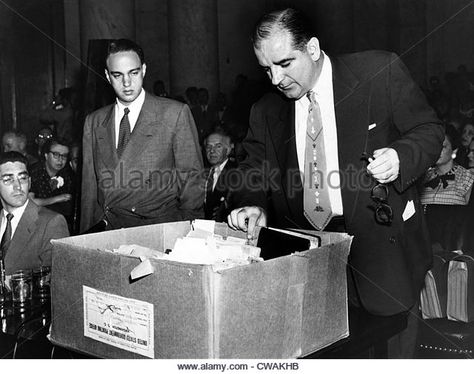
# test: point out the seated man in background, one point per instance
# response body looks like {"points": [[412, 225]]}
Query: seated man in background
{"points": [[52, 180], [16, 141], [218, 146], [26, 228]]}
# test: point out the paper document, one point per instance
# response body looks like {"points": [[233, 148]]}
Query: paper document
{"points": [[124, 323]]}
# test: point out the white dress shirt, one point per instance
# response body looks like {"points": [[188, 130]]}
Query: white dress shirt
{"points": [[17, 214], [324, 94], [135, 107], [217, 172]]}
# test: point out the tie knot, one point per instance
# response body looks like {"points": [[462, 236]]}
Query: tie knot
{"points": [[9, 217], [311, 96], [126, 111]]}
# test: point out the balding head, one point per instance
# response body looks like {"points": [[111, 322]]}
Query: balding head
{"points": [[14, 141]]}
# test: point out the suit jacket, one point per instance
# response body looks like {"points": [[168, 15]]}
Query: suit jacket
{"points": [[388, 262], [30, 246], [217, 205], [159, 176]]}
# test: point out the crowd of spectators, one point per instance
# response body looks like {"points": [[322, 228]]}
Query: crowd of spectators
{"points": [[446, 190]]}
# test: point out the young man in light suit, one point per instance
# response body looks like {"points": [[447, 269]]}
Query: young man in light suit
{"points": [[379, 135], [141, 157], [31, 227]]}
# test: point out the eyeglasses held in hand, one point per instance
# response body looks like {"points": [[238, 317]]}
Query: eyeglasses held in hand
{"points": [[58, 156], [383, 211], [8, 180], [379, 194]]}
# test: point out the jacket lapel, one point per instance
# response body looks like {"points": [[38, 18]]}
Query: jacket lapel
{"points": [[23, 233], [352, 121], [282, 131], [143, 132], [106, 139]]}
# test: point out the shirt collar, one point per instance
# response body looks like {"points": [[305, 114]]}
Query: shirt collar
{"points": [[323, 84], [17, 211], [221, 166], [135, 106]]}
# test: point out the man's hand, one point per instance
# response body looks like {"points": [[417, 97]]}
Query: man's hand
{"points": [[384, 166], [246, 219]]}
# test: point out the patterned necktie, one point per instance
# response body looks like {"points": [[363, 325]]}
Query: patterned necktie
{"points": [[317, 206], [124, 133], [7, 236]]}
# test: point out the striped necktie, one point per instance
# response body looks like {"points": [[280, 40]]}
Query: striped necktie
{"points": [[7, 236]]}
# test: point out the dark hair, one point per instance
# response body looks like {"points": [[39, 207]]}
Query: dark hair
{"points": [[51, 142], [125, 45], [453, 136], [289, 19], [13, 156]]}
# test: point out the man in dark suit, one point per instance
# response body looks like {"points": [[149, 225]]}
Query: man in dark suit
{"points": [[218, 146], [141, 158], [26, 229], [379, 136]]}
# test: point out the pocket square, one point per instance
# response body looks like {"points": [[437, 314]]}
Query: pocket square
{"points": [[372, 126]]}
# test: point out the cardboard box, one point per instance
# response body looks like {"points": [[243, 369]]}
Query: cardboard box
{"points": [[286, 307]]}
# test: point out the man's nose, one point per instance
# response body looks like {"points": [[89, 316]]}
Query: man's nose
{"points": [[276, 76], [126, 80], [17, 185]]}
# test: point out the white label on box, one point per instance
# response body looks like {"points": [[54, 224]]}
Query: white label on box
{"points": [[118, 321]]}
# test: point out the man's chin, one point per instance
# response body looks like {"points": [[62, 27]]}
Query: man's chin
{"points": [[291, 94], [126, 99], [19, 201]]}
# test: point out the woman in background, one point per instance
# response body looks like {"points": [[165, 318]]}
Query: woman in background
{"points": [[52, 180], [446, 191]]}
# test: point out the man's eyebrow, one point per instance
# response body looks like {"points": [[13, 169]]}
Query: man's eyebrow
{"points": [[280, 62], [284, 61], [7, 175], [130, 71]]}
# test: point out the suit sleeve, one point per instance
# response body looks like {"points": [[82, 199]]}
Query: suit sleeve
{"points": [[55, 228], [421, 132], [89, 204], [250, 190], [189, 166]]}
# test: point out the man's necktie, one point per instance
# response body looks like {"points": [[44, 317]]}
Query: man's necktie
{"points": [[7, 236], [124, 133], [209, 184], [317, 206]]}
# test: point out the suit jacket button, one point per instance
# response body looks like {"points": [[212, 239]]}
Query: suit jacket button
{"points": [[392, 240], [133, 209]]}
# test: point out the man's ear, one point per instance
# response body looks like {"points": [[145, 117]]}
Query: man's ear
{"points": [[144, 69], [107, 75], [454, 154], [313, 48]]}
